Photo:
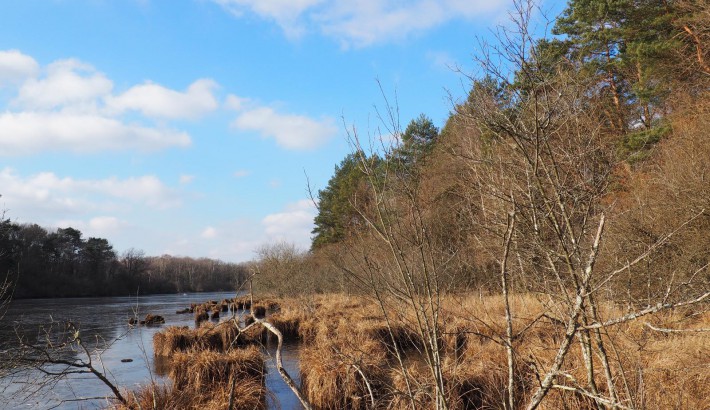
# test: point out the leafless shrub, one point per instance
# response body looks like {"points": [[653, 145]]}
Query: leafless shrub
{"points": [[541, 210], [58, 353]]}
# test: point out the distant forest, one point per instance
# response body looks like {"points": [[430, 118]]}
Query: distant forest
{"points": [[62, 263]]}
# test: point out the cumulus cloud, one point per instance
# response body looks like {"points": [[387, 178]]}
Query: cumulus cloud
{"points": [[156, 101], [16, 67], [100, 226], [70, 106], [105, 224], [365, 22], [235, 103], [286, 13], [293, 225], [47, 192], [290, 131], [68, 83], [241, 173], [30, 132], [239, 239]]}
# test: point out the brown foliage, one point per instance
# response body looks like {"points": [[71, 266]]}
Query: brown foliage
{"points": [[202, 370], [344, 340], [203, 379]]}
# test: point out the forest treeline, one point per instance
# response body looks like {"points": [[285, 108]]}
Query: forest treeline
{"points": [[615, 98], [62, 263], [543, 246], [547, 248]]}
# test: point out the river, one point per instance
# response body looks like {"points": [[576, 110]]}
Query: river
{"points": [[103, 322]]}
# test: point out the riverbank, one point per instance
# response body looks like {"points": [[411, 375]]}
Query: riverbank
{"points": [[104, 328], [354, 354]]}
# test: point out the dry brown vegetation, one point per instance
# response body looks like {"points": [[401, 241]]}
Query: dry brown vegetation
{"points": [[582, 250], [347, 360], [215, 365], [550, 252], [205, 379]]}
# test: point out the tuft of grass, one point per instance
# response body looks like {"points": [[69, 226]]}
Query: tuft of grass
{"points": [[173, 339], [346, 341], [203, 370], [201, 315]]}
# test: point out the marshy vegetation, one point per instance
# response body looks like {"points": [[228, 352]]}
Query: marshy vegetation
{"points": [[206, 378], [213, 365], [547, 249], [353, 356]]}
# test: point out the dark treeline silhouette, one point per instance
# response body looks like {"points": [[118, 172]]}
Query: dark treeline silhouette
{"points": [[62, 263]]}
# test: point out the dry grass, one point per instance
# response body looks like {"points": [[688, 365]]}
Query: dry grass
{"points": [[180, 339], [202, 370], [343, 343], [343, 332], [173, 339], [249, 394], [156, 396], [330, 371], [287, 324], [345, 338], [203, 379], [201, 315]]}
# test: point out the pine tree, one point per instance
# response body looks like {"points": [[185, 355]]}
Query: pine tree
{"points": [[337, 213]]}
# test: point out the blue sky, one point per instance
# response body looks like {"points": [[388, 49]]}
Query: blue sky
{"points": [[188, 126]]}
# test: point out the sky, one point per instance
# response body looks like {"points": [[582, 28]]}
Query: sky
{"points": [[195, 127]]}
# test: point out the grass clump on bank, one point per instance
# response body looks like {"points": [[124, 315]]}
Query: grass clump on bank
{"points": [[348, 358], [205, 379], [354, 356]]}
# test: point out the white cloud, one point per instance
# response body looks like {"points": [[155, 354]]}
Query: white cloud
{"points": [[46, 194], [235, 103], [100, 226], [290, 131], [31, 132], [239, 239], [241, 173], [70, 106], [68, 84], [363, 22], [209, 233], [105, 224], [156, 101], [293, 225], [16, 67], [286, 13]]}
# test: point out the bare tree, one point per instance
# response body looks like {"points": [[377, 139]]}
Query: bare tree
{"points": [[538, 169], [59, 353], [538, 148]]}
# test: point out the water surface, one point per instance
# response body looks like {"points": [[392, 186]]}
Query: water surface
{"points": [[103, 323]]}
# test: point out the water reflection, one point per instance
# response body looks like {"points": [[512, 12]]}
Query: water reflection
{"points": [[282, 397], [103, 324]]}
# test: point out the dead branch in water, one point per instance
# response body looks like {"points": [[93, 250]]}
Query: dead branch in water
{"points": [[45, 357], [279, 336]]}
